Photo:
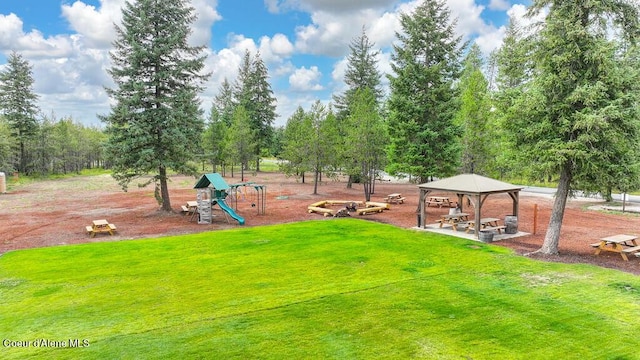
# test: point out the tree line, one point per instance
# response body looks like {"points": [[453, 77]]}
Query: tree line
{"points": [[558, 101]]}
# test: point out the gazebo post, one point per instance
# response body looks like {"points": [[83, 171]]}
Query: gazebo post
{"points": [[460, 201], [516, 203], [478, 214], [421, 208]]}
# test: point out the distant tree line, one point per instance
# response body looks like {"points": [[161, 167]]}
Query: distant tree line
{"points": [[35, 144]]}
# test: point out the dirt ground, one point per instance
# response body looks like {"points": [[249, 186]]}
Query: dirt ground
{"points": [[51, 213]]}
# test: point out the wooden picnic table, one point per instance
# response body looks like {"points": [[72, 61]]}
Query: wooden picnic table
{"points": [[100, 226], [439, 201], [192, 209], [454, 219], [394, 198], [623, 244], [485, 224]]}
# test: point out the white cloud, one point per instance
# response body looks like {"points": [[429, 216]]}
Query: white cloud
{"points": [[32, 44], [207, 16], [499, 5], [304, 79], [276, 49], [96, 25], [333, 6]]}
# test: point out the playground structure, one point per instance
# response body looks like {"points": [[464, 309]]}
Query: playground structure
{"points": [[257, 199], [212, 190], [359, 207]]}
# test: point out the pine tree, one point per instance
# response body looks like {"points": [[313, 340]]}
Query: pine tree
{"points": [[366, 136], [155, 122], [241, 139], [220, 120], [254, 93], [514, 70], [6, 147], [18, 104], [295, 150], [423, 102], [474, 115], [579, 114], [362, 72]]}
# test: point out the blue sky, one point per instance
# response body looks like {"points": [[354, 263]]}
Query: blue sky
{"points": [[303, 42]]}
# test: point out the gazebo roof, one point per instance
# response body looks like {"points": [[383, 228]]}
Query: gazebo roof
{"points": [[470, 184]]}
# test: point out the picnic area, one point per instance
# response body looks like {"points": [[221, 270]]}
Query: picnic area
{"points": [[70, 206]]}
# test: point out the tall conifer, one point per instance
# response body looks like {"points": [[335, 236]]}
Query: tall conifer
{"points": [[423, 102], [155, 121]]}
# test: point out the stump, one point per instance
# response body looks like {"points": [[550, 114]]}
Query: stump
{"points": [[344, 212]]}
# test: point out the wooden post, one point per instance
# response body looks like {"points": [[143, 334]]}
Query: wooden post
{"points": [[535, 218]]}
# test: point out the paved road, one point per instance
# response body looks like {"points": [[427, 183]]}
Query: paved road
{"points": [[551, 191]]}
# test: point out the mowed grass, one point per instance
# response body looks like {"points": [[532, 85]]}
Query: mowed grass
{"points": [[331, 289]]}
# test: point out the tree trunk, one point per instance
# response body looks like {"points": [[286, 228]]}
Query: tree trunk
{"points": [[164, 190], [552, 237], [315, 182]]}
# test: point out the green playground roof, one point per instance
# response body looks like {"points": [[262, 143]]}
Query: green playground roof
{"points": [[214, 179]]}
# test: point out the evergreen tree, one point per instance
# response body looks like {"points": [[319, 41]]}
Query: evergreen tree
{"points": [[367, 138], [579, 113], [220, 120], [322, 140], [155, 122], [241, 139], [423, 102], [362, 72], [18, 104], [295, 152], [474, 116], [6, 147], [224, 103], [514, 71], [254, 93]]}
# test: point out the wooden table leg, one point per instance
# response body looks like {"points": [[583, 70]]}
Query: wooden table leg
{"points": [[599, 248], [619, 249]]}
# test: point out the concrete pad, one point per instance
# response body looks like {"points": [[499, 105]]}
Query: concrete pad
{"points": [[448, 230]]}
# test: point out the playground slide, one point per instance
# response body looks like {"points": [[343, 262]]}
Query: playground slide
{"points": [[226, 208]]}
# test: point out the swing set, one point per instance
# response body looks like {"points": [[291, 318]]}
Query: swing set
{"points": [[257, 198]]}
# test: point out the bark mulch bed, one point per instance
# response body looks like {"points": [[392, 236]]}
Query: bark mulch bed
{"points": [[56, 212]]}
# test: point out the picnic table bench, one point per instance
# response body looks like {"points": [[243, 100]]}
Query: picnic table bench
{"points": [[395, 198], [455, 220], [487, 224], [191, 209], [622, 244], [100, 226], [439, 201]]}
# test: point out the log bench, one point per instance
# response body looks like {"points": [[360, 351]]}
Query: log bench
{"points": [[320, 210], [369, 210]]}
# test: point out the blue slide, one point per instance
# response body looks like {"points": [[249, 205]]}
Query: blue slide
{"points": [[226, 208]]}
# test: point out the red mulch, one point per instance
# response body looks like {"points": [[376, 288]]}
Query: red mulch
{"points": [[56, 212]]}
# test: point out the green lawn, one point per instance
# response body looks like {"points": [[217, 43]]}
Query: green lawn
{"points": [[341, 289]]}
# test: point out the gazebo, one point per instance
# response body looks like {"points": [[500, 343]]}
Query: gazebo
{"points": [[477, 188]]}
